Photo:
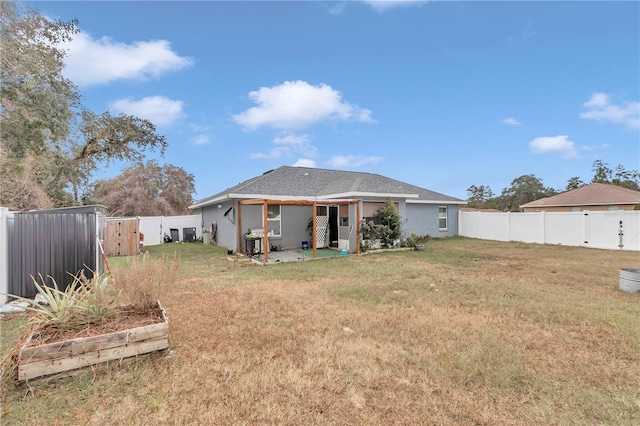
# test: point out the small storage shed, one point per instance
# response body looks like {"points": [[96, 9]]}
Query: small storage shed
{"points": [[56, 243]]}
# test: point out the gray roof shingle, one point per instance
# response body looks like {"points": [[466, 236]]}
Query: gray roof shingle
{"points": [[289, 181]]}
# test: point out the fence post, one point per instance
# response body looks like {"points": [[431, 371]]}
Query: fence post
{"points": [[4, 255], [585, 219]]}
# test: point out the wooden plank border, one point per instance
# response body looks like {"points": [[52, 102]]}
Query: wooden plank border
{"points": [[59, 357]]}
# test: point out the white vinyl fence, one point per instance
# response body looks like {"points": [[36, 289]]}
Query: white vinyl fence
{"points": [[604, 230], [154, 227], [4, 254]]}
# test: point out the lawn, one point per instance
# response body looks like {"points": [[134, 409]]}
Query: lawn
{"points": [[464, 332]]}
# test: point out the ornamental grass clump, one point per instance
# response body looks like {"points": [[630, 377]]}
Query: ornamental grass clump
{"points": [[143, 282], [82, 303]]}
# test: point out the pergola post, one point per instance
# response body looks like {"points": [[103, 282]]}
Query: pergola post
{"points": [[313, 233], [265, 232], [357, 227], [240, 248]]}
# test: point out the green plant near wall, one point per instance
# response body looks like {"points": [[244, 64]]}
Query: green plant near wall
{"points": [[386, 226], [388, 217], [83, 302], [411, 241]]}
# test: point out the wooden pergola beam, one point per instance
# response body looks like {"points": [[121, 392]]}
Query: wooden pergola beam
{"points": [[265, 225]]}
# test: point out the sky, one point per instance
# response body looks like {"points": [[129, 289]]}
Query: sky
{"points": [[442, 95]]}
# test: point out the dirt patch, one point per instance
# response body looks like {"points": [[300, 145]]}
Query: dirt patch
{"points": [[123, 319]]}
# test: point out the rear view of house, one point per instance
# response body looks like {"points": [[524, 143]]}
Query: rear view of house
{"points": [[282, 203]]}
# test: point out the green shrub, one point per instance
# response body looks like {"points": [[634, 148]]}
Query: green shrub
{"points": [[389, 217], [386, 226]]}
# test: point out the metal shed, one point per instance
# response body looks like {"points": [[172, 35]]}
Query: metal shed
{"points": [[57, 242]]}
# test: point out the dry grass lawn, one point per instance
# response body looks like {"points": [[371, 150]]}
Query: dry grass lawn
{"points": [[467, 332]]}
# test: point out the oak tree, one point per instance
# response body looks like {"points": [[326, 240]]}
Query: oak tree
{"points": [[49, 143], [147, 190]]}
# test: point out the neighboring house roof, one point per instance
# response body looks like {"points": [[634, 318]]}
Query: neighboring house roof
{"points": [[594, 194], [471, 209], [311, 183]]}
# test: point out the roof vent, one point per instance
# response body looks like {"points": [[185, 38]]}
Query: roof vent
{"points": [[267, 172]]}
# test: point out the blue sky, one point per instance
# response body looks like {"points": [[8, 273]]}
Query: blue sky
{"points": [[442, 95]]}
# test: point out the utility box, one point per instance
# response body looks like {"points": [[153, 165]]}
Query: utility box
{"points": [[175, 235], [189, 235]]}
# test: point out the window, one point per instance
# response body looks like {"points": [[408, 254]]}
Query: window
{"points": [[370, 209], [273, 220], [442, 218], [343, 214], [612, 208]]}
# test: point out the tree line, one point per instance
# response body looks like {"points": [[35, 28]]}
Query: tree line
{"points": [[527, 188], [51, 144]]}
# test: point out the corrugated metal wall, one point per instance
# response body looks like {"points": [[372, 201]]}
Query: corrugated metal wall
{"points": [[55, 242]]}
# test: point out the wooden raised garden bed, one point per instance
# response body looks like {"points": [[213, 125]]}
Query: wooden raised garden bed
{"points": [[65, 357]]}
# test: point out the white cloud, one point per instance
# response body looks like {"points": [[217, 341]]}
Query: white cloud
{"points": [[200, 140], [554, 144], [297, 143], [336, 8], [305, 162], [600, 108], [595, 147], [352, 161], [597, 100], [287, 145], [277, 152], [196, 128], [159, 110], [511, 121], [100, 61], [297, 105], [384, 5]]}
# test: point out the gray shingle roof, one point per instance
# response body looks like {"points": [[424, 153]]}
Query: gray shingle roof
{"points": [[288, 181]]}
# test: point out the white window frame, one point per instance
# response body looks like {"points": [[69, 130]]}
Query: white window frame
{"points": [[446, 218], [278, 218]]}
